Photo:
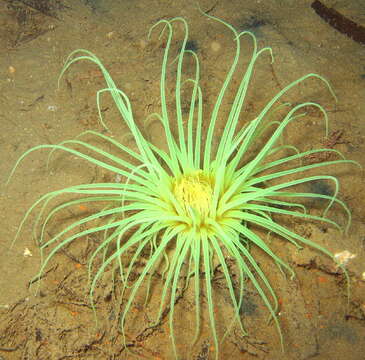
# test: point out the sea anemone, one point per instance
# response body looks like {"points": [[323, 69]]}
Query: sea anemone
{"points": [[194, 204]]}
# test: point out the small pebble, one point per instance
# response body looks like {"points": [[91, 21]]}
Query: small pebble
{"points": [[215, 46], [344, 257], [27, 252], [110, 34]]}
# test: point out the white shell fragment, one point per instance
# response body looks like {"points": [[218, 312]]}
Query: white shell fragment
{"points": [[344, 257], [27, 252]]}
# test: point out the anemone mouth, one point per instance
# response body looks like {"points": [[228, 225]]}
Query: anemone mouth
{"points": [[194, 193]]}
